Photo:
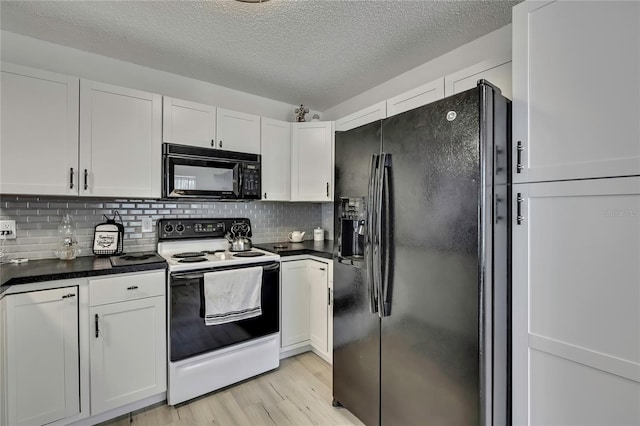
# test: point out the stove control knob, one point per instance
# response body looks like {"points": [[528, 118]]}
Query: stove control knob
{"points": [[180, 228], [168, 228]]}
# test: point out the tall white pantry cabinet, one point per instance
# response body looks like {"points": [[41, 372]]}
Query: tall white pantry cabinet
{"points": [[576, 212]]}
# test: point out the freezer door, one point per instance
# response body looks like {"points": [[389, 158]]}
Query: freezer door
{"points": [[356, 330], [430, 342], [356, 345]]}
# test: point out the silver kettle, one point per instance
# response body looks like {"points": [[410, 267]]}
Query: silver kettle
{"points": [[238, 242]]}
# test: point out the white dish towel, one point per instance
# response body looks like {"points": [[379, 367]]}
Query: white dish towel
{"points": [[232, 295]]}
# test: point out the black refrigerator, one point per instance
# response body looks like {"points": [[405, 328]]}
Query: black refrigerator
{"points": [[421, 292]]}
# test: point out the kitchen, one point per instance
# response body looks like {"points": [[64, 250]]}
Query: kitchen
{"points": [[39, 215]]}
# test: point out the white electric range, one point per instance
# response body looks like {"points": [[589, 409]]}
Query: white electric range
{"points": [[203, 358]]}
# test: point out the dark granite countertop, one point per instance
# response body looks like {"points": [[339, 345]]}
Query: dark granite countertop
{"points": [[53, 269], [286, 248]]}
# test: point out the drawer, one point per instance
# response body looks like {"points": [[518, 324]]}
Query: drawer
{"points": [[120, 288]]}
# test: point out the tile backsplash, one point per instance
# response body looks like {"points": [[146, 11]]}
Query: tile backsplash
{"points": [[37, 220]]}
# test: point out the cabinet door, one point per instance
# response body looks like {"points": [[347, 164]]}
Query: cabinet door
{"points": [[311, 161], [120, 141], [576, 94], [495, 71], [294, 327], [42, 356], [576, 301], [39, 132], [276, 160], [319, 298], [417, 97], [238, 131], [188, 123], [128, 352], [365, 116]]}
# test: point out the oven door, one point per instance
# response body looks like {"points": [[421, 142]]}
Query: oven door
{"points": [[188, 334], [201, 177]]}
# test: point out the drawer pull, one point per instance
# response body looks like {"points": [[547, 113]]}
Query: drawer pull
{"points": [[66, 296], [133, 287]]}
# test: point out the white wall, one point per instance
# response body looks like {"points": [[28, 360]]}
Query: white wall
{"points": [[65, 60], [494, 44]]}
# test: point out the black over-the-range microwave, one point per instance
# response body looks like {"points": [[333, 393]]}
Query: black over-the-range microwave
{"points": [[195, 172]]}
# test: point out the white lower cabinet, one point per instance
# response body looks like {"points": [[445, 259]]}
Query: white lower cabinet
{"points": [[306, 307], [319, 300], [128, 340], [41, 357], [294, 304], [576, 302]]}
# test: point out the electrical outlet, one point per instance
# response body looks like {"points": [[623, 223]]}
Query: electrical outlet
{"points": [[7, 229], [147, 224]]}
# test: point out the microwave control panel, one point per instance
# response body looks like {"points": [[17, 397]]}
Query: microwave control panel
{"points": [[251, 181]]}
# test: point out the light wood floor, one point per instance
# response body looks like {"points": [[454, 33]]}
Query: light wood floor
{"points": [[298, 393]]}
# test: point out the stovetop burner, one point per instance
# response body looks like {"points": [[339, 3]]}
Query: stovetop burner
{"points": [[138, 256], [192, 259], [248, 254], [189, 254]]}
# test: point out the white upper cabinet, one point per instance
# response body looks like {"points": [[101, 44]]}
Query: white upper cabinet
{"points": [[238, 131], [276, 160], [496, 71], [120, 141], [39, 150], [576, 90], [365, 116], [312, 161], [415, 98], [188, 123]]}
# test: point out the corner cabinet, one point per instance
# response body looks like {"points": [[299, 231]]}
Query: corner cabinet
{"points": [[188, 123], [41, 370], [306, 307], [39, 133], [575, 93], [312, 161], [276, 160], [128, 339]]}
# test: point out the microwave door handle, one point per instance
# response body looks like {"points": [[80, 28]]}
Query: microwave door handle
{"points": [[240, 174]]}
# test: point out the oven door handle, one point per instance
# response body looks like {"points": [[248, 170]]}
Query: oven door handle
{"points": [[187, 276], [271, 267]]}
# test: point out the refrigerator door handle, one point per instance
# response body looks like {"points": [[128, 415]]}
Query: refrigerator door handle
{"points": [[378, 241], [368, 248], [385, 225]]}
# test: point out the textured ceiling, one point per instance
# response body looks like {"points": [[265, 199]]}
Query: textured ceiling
{"points": [[316, 52]]}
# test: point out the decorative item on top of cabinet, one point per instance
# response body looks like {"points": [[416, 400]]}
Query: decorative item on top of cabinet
{"points": [[300, 113], [276, 160], [576, 100], [238, 131], [417, 97], [188, 123], [312, 161]]}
